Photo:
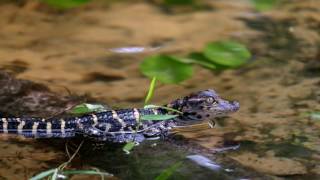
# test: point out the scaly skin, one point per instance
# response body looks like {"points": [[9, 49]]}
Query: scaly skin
{"points": [[123, 125]]}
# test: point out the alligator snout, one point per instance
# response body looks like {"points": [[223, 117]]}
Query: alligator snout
{"points": [[235, 106]]}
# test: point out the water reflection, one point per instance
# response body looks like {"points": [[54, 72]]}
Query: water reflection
{"points": [[133, 49], [204, 161]]}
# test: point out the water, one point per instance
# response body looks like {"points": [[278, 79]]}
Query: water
{"points": [[277, 90]]}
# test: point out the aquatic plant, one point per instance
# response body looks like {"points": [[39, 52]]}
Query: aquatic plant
{"points": [[264, 5], [169, 171], [61, 173], [65, 4], [167, 69], [218, 55]]}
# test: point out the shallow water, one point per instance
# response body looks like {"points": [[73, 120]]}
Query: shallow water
{"points": [[83, 50]]}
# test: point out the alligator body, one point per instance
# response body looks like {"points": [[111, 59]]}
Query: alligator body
{"points": [[123, 125]]}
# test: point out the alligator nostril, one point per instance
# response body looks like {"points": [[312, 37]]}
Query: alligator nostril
{"points": [[236, 105]]}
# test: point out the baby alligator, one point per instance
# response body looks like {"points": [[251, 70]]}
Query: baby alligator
{"points": [[124, 125]]}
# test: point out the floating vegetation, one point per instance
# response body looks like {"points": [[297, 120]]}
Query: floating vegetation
{"points": [[216, 56], [264, 5], [227, 53], [65, 4], [167, 69], [178, 2]]}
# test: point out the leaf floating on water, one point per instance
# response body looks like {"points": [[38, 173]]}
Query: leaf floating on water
{"points": [[65, 4], [160, 117], [227, 53], [179, 2], [169, 171], [264, 5], [166, 69], [200, 59]]}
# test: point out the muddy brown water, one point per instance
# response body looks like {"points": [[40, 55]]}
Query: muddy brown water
{"points": [[71, 50]]}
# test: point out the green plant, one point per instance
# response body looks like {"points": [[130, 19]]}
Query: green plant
{"points": [[227, 53], [65, 4], [178, 2], [169, 171], [264, 5], [87, 108], [56, 173], [218, 55], [167, 69]]}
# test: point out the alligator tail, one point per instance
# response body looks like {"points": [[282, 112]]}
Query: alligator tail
{"points": [[38, 127]]}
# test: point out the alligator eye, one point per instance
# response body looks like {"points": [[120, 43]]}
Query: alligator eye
{"points": [[210, 100]]}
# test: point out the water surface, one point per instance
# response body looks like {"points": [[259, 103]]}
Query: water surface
{"points": [[276, 89]]}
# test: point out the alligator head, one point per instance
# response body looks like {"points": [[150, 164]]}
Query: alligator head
{"points": [[202, 105]]}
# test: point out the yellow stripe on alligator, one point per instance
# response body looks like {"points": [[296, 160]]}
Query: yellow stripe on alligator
{"points": [[136, 114], [4, 125], [35, 128], [108, 127], [63, 127], [20, 127], [115, 116], [95, 119], [49, 128]]}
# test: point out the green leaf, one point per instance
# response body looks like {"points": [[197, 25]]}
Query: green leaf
{"points": [[166, 69], [200, 59], [43, 174], [150, 106], [178, 2], [314, 115], [87, 108], [151, 90], [227, 53], [264, 5], [87, 172], [157, 117], [169, 171], [55, 174], [128, 147], [65, 4]]}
